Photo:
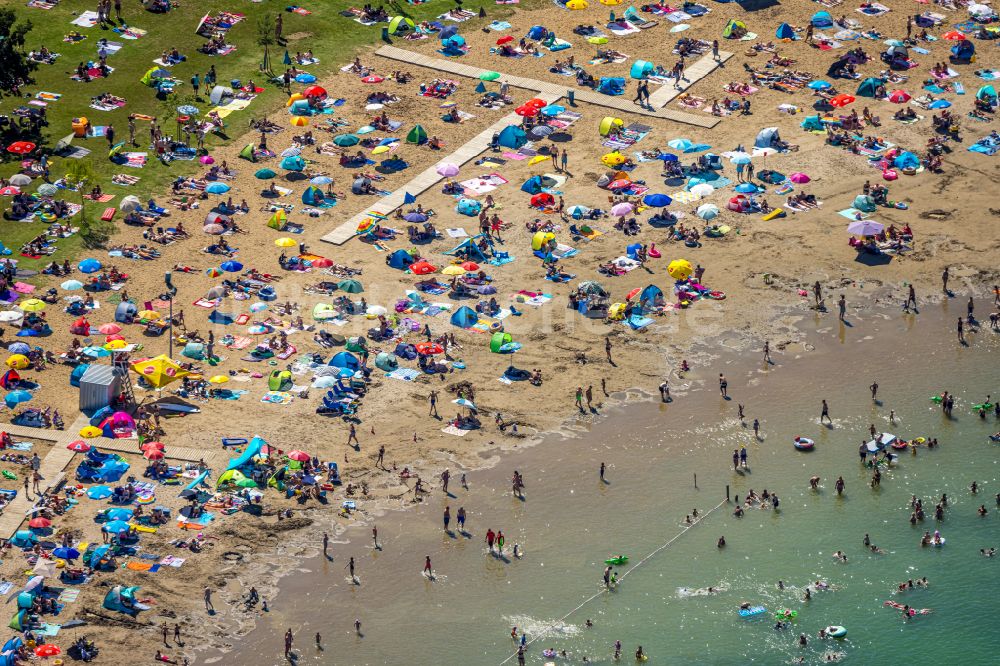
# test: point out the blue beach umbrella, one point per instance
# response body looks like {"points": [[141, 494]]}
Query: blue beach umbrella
{"points": [[120, 513], [66, 553], [305, 78], [188, 110], [680, 144], [217, 188], [72, 285], [115, 526], [819, 84], [99, 492], [95, 352], [89, 266], [231, 266], [746, 188], [14, 398], [552, 110], [656, 200], [939, 104], [18, 348], [321, 180], [577, 212], [668, 157]]}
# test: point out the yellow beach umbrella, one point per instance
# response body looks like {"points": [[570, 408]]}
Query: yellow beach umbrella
{"points": [[378, 150], [680, 269], [611, 3], [33, 305], [89, 432], [149, 314], [577, 4], [115, 344], [300, 121], [18, 361], [218, 379], [453, 269], [159, 371], [613, 159], [285, 242]]}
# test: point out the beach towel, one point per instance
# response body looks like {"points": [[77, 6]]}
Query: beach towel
{"points": [[87, 19], [404, 374], [854, 214], [67, 596], [458, 432], [277, 398]]}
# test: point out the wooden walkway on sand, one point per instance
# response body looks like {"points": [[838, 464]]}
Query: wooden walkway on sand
{"points": [[59, 458], [550, 92]]}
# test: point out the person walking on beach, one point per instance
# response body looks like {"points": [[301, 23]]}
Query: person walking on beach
{"points": [[767, 351], [166, 631], [589, 393], [715, 50], [447, 517], [579, 398], [433, 399], [874, 389], [842, 306], [911, 300], [326, 545], [353, 436], [602, 471], [375, 538], [723, 386], [818, 294], [664, 391], [563, 159], [607, 350], [27, 486], [208, 600], [826, 413], [961, 331], [380, 461], [971, 309], [944, 280], [736, 459], [350, 565], [461, 519], [445, 477], [427, 566], [490, 538], [288, 643]]}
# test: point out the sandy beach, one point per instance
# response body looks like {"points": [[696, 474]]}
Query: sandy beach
{"points": [[765, 270]]}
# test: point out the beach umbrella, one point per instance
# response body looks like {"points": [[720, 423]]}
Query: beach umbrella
{"points": [[293, 163], [745, 188], [819, 84], [285, 242], [9, 191], [259, 306], [680, 144], [429, 348], [32, 305], [110, 328], [213, 271], [218, 379], [12, 315], [305, 78], [613, 159], [577, 212], [321, 180], [707, 211], [213, 230], [702, 190], [47, 650], [466, 403], [39, 523], [301, 456], [89, 266], [415, 217], [899, 97], [842, 100], [99, 492], [656, 200], [231, 266], [350, 286], [299, 121], [489, 76], [264, 174], [21, 147], [577, 5], [14, 398], [291, 151], [153, 454], [18, 361], [953, 35], [314, 91], [865, 228], [217, 188], [322, 262], [372, 78], [19, 348], [453, 269], [799, 178], [115, 526], [621, 209], [506, 39], [188, 110], [115, 344], [448, 170], [90, 432], [206, 159], [619, 184], [740, 158], [345, 140], [47, 190], [66, 553], [680, 269], [19, 180], [146, 446], [470, 265], [541, 131], [72, 285], [79, 446], [526, 111], [120, 513], [939, 104]]}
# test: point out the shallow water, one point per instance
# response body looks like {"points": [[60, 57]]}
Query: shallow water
{"points": [[570, 522]]}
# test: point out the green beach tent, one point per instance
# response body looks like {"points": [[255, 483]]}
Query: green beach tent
{"points": [[400, 25], [247, 153], [498, 340], [417, 135], [735, 29]]}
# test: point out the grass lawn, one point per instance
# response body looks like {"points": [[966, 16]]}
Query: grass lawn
{"points": [[331, 37]]}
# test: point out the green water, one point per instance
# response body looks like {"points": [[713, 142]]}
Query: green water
{"points": [[571, 522]]}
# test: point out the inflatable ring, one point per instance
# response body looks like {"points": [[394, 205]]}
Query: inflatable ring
{"points": [[803, 444], [889, 174], [836, 631], [7, 474], [717, 295], [146, 499], [899, 444], [919, 440]]}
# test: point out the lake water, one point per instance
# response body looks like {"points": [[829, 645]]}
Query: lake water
{"points": [[570, 522]]}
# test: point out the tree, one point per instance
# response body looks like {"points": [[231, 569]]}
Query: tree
{"points": [[265, 39], [94, 233], [15, 66]]}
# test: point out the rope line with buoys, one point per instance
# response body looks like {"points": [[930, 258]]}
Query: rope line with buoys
{"points": [[632, 568]]}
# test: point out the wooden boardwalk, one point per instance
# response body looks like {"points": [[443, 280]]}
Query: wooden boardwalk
{"points": [[59, 458], [550, 92]]}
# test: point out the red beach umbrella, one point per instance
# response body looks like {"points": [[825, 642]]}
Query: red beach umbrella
{"points": [[470, 266], [429, 348], [79, 446], [149, 446], [954, 36], [314, 91], [153, 454], [301, 456], [39, 523], [21, 147], [841, 101], [47, 650], [899, 97], [506, 39]]}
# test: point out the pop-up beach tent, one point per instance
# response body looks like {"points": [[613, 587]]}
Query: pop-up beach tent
{"points": [[512, 137], [464, 317]]}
